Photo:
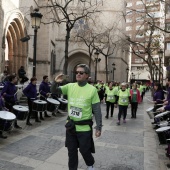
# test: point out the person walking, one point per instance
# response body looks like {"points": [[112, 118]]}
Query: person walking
{"points": [[31, 93], [135, 99], [110, 96], [44, 91], [123, 100], [82, 99], [9, 92]]}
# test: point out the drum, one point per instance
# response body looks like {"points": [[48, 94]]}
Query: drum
{"points": [[21, 112], [163, 124], [163, 134], [163, 115], [63, 103], [6, 120], [52, 104], [150, 112], [39, 105]]}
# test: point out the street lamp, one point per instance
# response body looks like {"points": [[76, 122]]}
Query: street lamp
{"points": [[133, 75], [113, 70], [96, 60], [160, 52], [35, 22]]}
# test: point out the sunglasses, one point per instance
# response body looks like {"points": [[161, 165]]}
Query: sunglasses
{"points": [[80, 72]]}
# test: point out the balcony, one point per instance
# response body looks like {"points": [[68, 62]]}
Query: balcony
{"points": [[167, 53]]}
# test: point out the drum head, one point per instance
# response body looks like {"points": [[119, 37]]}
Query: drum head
{"points": [[162, 114], [20, 108], [53, 101], [7, 115], [162, 129], [161, 108], [40, 101], [63, 100], [149, 109]]}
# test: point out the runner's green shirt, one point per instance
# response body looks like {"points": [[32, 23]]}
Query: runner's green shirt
{"points": [[111, 95], [80, 100], [123, 97]]}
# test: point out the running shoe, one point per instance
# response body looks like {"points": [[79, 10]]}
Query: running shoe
{"points": [[90, 168], [118, 122]]}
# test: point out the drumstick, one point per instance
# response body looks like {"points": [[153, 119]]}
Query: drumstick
{"points": [[165, 91], [159, 104], [16, 92], [149, 100]]}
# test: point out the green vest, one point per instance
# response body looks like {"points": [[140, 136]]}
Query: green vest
{"points": [[123, 97]]}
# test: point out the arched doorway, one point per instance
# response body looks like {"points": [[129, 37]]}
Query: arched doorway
{"points": [[76, 59], [15, 50]]}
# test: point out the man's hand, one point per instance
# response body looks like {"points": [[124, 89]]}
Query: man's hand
{"points": [[165, 103], [162, 110], [48, 94], [59, 78], [98, 133]]}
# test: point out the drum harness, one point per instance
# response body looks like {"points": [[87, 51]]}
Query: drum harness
{"points": [[71, 128]]}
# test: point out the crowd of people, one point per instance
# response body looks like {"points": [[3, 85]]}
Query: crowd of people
{"points": [[121, 95], [81, 108]]}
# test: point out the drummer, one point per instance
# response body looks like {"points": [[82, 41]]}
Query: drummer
{"points": [[44, 91], [167, 100], [9, 92], [2, 107], [31, 93], [158, 96]]}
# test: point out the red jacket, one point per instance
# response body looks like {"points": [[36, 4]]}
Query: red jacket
{"points": [[138, 95]]}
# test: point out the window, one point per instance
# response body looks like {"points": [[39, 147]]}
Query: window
{"points": [[139, 19], [138, 60], [129, 4], [167, 9], [139, 52], [140, 68], [128, 20], [168, 26], [139, 3], [168, 45], [139, 36], [139, 11], [128, 28]]}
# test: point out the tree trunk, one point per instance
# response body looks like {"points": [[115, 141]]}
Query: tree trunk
{"points": [[66, 50], [106, 69]]}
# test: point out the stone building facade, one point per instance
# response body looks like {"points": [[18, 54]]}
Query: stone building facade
{"points": [[16, 24]]}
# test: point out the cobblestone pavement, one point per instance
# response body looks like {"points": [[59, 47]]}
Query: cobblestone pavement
{"points": [[131, 146]]}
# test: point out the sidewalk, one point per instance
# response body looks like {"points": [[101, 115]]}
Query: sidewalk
{"points": [[130, 146]]}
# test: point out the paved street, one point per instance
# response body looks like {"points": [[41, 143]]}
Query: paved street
{"points": [[130, 146]]}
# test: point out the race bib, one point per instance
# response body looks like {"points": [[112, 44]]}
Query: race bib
{"points": [[124, 100], [110, 97], [134, 92], [75, 112]]}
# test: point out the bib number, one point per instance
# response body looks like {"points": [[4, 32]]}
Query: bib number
{"points": [[110, 97], [124, 100], [75, 112]]}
